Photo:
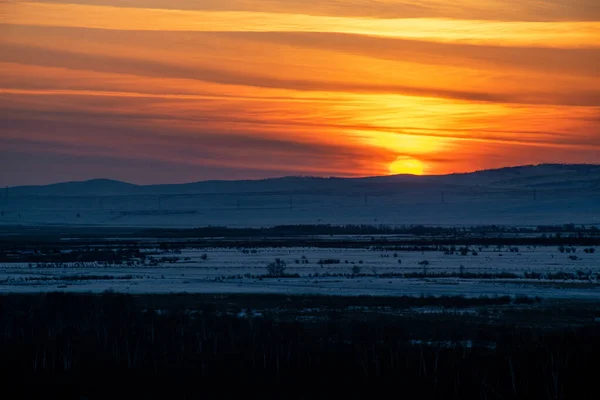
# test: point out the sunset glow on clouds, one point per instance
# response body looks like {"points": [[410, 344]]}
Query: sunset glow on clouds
{"points": [[182, 90]]}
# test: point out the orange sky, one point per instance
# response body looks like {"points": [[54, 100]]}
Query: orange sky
{"points": [[182, 90]]}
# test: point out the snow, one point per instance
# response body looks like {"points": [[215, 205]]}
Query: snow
{"points": [[216, 274]]}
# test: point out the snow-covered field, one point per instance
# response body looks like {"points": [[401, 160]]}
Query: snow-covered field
{"points": [[359, 272]]}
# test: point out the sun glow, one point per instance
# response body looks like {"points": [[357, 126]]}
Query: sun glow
{"points": [[407, 165], [234, 89]]}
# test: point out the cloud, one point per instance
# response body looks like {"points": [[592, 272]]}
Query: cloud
{"points": [[141, 67], [225, 148], [38, 166], [507, 10], [563, 34], [567, 61]]}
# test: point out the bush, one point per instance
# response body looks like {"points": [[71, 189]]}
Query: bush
{"points": [[533, 275], [356, 270], [329, 261], [561, 276], [276, 268], [521, 299], [424, 263]]}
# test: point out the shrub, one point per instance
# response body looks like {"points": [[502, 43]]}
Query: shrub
{"points": [[584, 275], [533, 275], [276, 268], [561, 275], [522, 299], [424, 263], [329, 261]]}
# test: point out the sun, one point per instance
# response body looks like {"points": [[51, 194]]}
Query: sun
{"points": [[407, 165]]}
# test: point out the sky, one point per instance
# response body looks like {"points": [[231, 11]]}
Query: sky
{"points": [[170, 91]]}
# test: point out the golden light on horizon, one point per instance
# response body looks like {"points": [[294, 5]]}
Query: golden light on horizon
{"points": [[254, 89], [407, 165]]}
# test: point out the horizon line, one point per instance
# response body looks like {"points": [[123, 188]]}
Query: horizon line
{"points": [[309, 176]]}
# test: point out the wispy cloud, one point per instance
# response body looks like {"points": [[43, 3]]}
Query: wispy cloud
{"points": [[503, 10], [563, 34]]}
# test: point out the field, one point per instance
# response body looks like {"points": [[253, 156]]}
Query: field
{"points": [[310, 311], [380, 265]]}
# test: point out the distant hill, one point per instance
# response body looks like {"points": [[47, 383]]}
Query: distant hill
{"points": [[545, 175], [525, 195], [531, 175]]}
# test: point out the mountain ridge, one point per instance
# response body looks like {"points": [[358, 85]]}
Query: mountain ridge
{"points": [[524, 176], [311, 177], [522, 195]]}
